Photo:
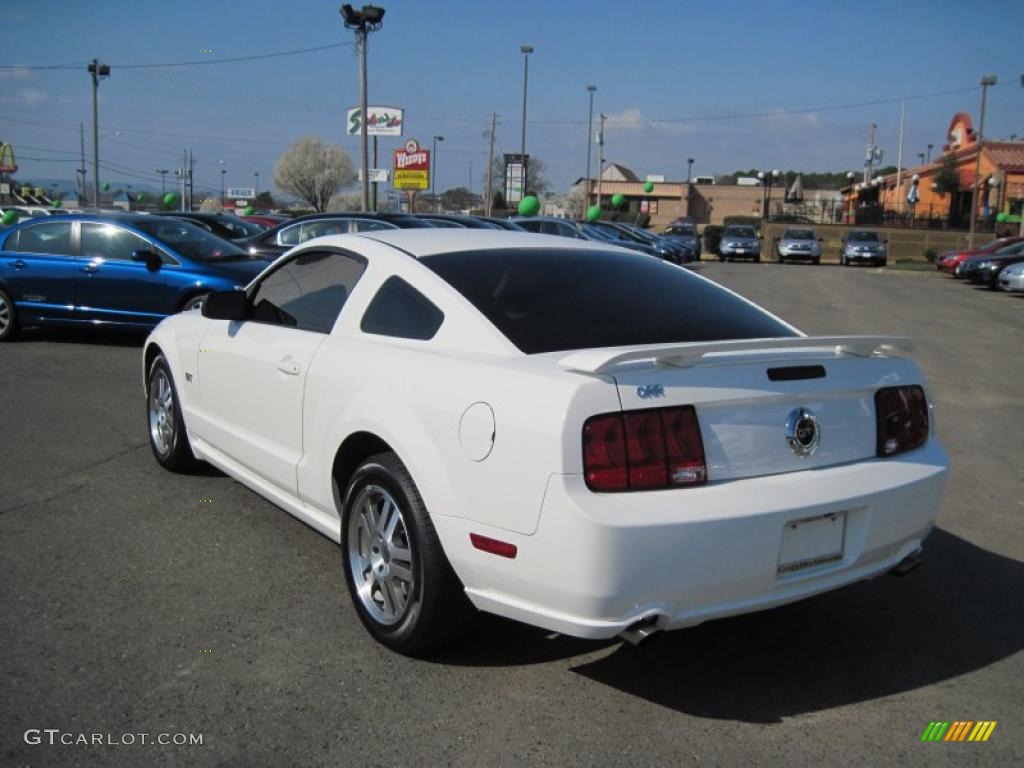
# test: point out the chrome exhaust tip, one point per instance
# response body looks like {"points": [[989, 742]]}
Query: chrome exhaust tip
{"points": [[640, 630], [907, 564]]}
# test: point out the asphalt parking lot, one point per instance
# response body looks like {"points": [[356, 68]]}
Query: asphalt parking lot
{"points": [[139, 601]]}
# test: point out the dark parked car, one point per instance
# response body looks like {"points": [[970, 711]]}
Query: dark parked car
{"points": [[682, 251], [501, 223], [128, 270], [622, 235], [469, 222], [985, 269], [685, 234], [221, 224], [551, 225], [276, 240], [265, 220]]}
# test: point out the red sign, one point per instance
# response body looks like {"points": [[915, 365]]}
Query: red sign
{"points": [[412, 167]]}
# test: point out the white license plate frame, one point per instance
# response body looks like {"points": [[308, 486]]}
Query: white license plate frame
{"points": [[811, 542]]}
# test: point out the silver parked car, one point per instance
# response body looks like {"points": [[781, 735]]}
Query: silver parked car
{"points": [[798, 244], [739, 240], [1012, 278], [863, 245]]}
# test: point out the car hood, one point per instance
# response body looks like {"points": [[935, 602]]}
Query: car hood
{"points": [[793, 241], [740, 240]]}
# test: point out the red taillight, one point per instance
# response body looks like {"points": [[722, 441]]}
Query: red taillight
{"points": [[643, 450], [901, 414]]}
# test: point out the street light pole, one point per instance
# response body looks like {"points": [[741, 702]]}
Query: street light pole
{"points": [[96, 70], [257, 175], [929, 157], [163, 177], [369, 19], [590, 135], [223, 173], [986, 81], [689, 183], [600, 156], [433, 171], [526, 51]]}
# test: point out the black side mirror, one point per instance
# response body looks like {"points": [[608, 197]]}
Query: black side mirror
{"points": [[151, 259], [226, 305]]}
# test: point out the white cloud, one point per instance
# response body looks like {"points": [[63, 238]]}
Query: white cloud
{"points": [[32, 96]]}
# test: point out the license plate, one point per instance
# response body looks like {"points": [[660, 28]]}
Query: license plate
{"points": [[741, 250], [812, 541]]}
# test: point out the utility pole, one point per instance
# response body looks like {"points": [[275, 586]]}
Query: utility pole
{"points": [[96, 71], [184, 179], [374, 168], [986, 81], [899, 152], [590, 136], [81, 169], [600, 156], [489, 201], [163, 177], [191, 187]]}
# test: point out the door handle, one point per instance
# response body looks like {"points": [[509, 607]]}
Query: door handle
{"points": [[19, 264], [288, 366]]}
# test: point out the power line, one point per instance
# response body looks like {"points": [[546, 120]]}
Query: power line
{"points": [[195, 63]]}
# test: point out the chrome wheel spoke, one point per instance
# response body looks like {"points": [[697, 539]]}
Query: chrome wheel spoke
{"points": [[399, 571]]}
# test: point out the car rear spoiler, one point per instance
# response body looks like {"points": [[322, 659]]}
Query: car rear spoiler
{"points": [[699, 353]]}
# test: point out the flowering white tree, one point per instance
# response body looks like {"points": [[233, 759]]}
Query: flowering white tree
{"points": [[314, 171]]}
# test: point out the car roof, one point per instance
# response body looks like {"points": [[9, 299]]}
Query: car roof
{"points": [[119, 218], [428, 242]]}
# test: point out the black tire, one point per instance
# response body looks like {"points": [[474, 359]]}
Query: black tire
{"points": [[721, 257], [818, 260], [436, 610], [171, 448], [757, 259], [8, 318]]}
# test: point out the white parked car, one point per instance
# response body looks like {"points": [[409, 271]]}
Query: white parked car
{"points": [[565, 433]]}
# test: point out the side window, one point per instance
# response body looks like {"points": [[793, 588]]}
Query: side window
{"points": [[369, 225], [289, 235], [308, 291], [530, 226], [110, 242], [53, 239], [321, 227], [400, 310]]}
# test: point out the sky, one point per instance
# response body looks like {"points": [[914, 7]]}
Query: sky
{"points": [[735, 85]]}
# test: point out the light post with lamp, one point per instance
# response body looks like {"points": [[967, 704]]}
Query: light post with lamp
{"points": [[986, 81], [526, 50], [433, 170], [767, 179], [364, 21], [590, 136]]}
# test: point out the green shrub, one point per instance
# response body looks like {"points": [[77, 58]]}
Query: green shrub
{"points": [[931, 253]]}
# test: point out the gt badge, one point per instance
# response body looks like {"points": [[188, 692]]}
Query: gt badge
{"points": [[802, 432]]}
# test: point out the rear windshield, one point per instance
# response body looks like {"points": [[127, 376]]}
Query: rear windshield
{"points": [[545, 300]]}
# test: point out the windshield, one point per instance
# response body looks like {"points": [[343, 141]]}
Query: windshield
{"points": [[549, 299], [598, 232], [739, 232], [191, 241], [864, 237], [684, 231], [641, 234], [798, 234]]}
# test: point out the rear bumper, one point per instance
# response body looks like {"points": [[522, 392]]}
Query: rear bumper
{"points": [[601, 562]]}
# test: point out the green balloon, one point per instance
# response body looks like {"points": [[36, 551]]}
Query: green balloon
{"points": [[648, 187], [1001, 217], [594, 213], [170, 198], [106, 186], [57, 203], [10, 217], [618, 199], [529, 206], [140, 197], [248, 211]]}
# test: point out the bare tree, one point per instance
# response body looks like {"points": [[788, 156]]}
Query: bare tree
{"points": [[313, 171], [536, 182], [211, 206]]}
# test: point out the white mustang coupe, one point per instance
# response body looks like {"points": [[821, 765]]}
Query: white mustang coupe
{"points": [[572, 435]]}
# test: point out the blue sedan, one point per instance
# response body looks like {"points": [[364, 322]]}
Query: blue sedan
{"points": [[128, 270]]}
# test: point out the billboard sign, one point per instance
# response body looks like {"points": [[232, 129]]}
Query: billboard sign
{"points": [[384, 121], [377, 175], [514, 178], [412, 166], [243, 192]]}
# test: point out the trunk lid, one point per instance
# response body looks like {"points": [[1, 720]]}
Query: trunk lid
{"points": [[745, 393]]}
